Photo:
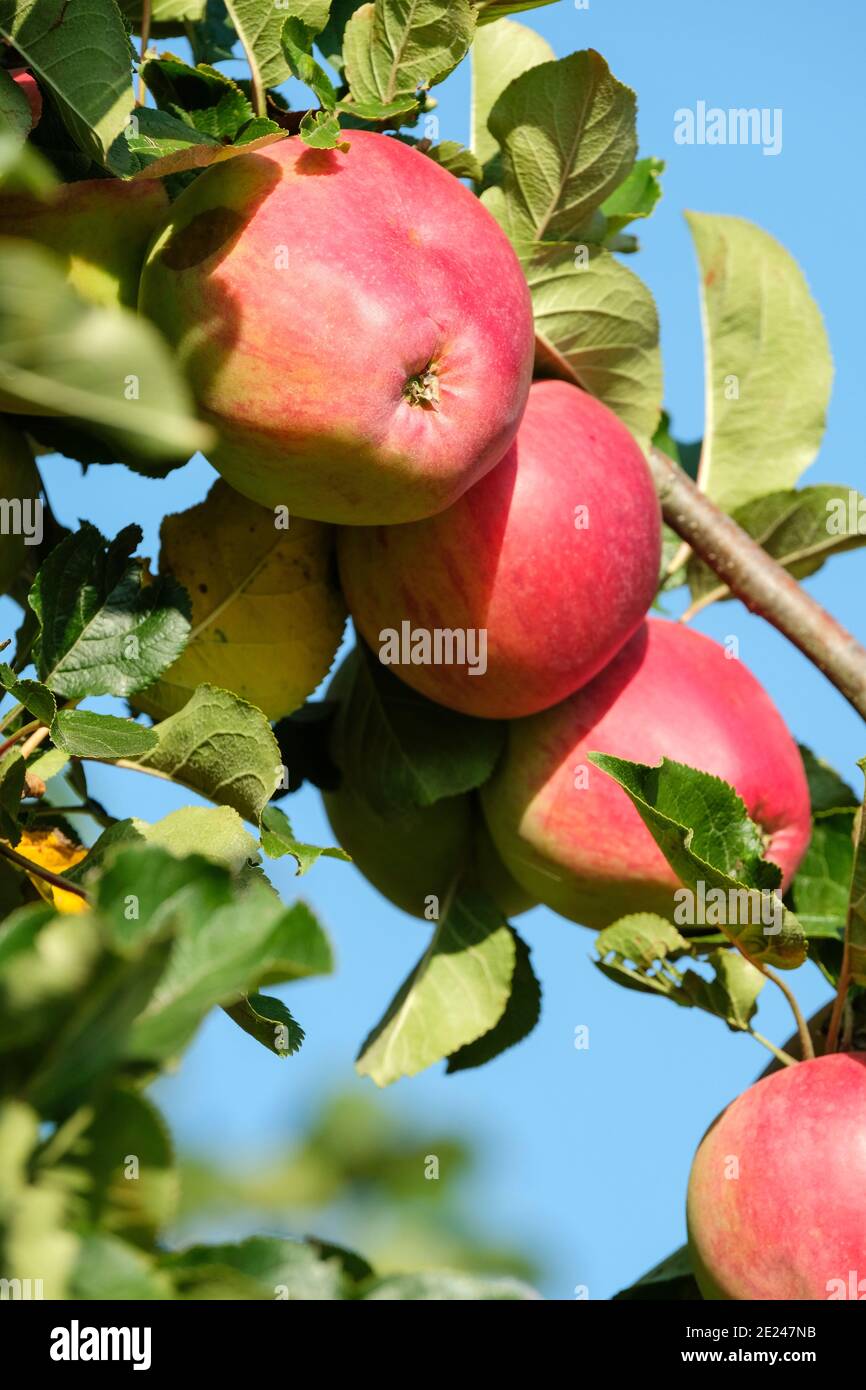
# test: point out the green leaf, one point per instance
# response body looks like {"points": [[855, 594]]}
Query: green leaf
{"points": [[223, 748], [669, 1281], [636, 196], [490, 10], [162, 144], [211, 35], [398, 749], [701, 827], [259, 25], [819, 892], [123, 1168], [12, 769], [104, 367], [78, 50], [105, 629], [501, 52], [856, 925], [443, 1286], [215, 832], [459, 161], [321, 131], [278, 839], [767, 362], [15, 116], [567, 133], [282, 1269], [34, 696], [269, 1022], [83, 734], [23, 169], [799, 529], [827, 791], [395, 48], [297, 41], [522, 1012], [197, 96], [596, 325], [457, 992], [107, 1268]]}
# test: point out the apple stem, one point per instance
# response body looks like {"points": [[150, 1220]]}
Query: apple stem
{"points": [[806, 1045], [784, 1057], [764, 586]]}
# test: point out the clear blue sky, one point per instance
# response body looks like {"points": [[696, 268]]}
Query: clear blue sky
{"points": [[585, 1154]]}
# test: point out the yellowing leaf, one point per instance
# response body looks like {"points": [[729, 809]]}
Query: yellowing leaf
{"points": [[53, 850], [267, 614]]}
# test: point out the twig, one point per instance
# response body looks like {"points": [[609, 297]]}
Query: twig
{"points": [[33, 742], [763, 585], [23, 732], [145, 40], [56, 880]]}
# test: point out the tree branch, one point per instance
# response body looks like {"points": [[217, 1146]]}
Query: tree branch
{"points": [[763, 585]]}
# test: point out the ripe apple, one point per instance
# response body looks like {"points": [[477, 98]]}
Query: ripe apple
{"points": [[414, 854], [775, 1201], [571, 836], [354, 323], [552, 560]]}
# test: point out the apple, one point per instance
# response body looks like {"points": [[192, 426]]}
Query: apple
{"points": [[414, 855], [571, 836], [30, 89], [551, 560], [353, 321], [101, 228], [775, 1200]]}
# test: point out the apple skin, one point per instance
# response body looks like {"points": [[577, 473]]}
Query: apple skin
{"points": [[30, 88], [671, 692], [793, 1221], [306, 290], [556, 601]]}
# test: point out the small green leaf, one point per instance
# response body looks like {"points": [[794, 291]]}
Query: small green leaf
{"points": [[457, 992], [701, 827], [278, 839], [636, 197], [223, 748], [321, 131], [84, 734], [596, 325], [768, 364], [567, 133], [394, 48], [34, 696], [104, 628], [269, 1022]]}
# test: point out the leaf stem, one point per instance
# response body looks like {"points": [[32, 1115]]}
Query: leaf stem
{"points": [[56, 880], [763, 585]]}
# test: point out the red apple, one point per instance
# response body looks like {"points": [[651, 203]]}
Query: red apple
{"points": [[571, 836], [355, 324], [30, 87], [553, 557], [775, 1204]]}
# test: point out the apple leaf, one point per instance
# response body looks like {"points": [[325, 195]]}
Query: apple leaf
{"points": [[767, 362], [198, 96], [596, 325], [639, 952], [400, 750], [297, 41], [490, 10], [161, 144], [106, 368], [636, 197], [856, 925], [84, 734], [33, 695], [395, 48], [501, 52], [321, 131], [799, 529], [269, 1022], [256, 1267], [15, 117], [259, 26], [567, 134], [701, 827], [12, 769], [278, 839], [442, 1286], [820, 890], [105, 628], [522, 1012], [827, 791], [223, 748], [457, 992], [669, 1281], [79, 51], [267, 614]]}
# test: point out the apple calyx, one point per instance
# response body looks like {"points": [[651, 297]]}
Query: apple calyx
{"points": [[423, 388]]}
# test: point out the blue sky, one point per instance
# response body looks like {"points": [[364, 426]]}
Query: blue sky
{"points": [[585, 1153]]}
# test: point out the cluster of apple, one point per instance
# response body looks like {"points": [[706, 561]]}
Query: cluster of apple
{"points": [[359, 329]]}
